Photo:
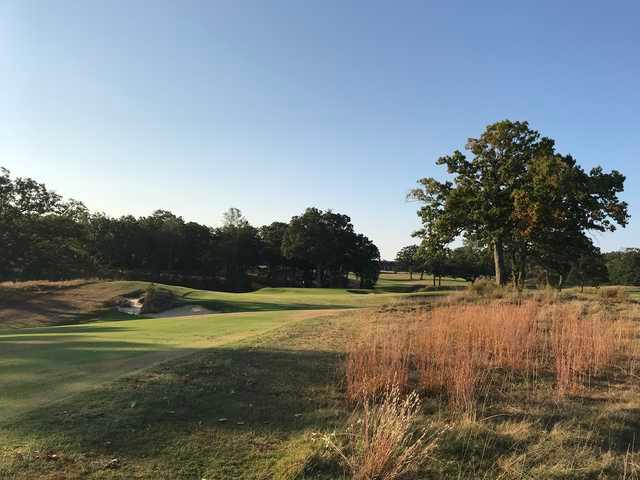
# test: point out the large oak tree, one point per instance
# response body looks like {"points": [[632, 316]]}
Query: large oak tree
{"points": [[516, 194]]}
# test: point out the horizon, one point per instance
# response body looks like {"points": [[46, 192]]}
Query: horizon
{"points": [[272, 109]]}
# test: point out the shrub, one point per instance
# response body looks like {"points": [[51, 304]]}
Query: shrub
{"points": [[157, 300], [613, 293], [486, 288]]}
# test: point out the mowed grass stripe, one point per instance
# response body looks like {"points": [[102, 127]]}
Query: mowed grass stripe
{"points": [[43, 365]]}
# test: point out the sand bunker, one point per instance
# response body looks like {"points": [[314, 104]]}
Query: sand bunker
{"points": [[184, 311], [133, 306]]}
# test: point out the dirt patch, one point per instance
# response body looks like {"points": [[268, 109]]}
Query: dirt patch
{"points": [[28, 304]]}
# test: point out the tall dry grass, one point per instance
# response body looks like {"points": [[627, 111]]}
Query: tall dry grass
{"points": [[377, 358], [457, 346], [464, 350], [583, 345]]}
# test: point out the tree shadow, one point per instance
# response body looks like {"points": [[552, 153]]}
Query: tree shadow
{"points": [[231, 397]]}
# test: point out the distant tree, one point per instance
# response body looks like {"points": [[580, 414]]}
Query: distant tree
{"points": [[589, 267], [198, 250], [364, 261], [470, 262], [272, 237], [41, 235], [320, 241], [239, 248], [435, 259], [408, 259], [44, 236], [624, 266], [164, 240], [517, 194]]}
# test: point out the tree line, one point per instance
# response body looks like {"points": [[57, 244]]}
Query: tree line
{"points": [[517, 197], [624, 266], [470, 262], [44, 236]]}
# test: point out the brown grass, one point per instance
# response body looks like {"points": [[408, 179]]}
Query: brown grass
{"points": [[35, 303], [583, 345], [470, 350], [613, 293], [381, 441], [458, 345], [377, 358]]}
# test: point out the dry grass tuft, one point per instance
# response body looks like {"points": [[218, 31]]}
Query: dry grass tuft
{"points": [[613, 293], [382, 442]]}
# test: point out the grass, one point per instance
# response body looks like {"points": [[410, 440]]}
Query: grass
{"points": [[400, 282], [251, 394], [44, 364], [45, 303], [254, 409], [240, 411]]}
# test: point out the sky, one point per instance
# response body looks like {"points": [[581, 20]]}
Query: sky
{"points": [[276, 106]]}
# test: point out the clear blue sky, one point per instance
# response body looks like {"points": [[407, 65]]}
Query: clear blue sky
{"points": [[274, 106]]}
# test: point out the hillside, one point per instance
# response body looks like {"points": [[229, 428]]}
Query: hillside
{"points": [[30, 304]]}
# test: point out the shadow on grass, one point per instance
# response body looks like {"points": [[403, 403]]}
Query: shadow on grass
{"points": [[232, 306], [232, 411], [223, 405], [26, 334]]}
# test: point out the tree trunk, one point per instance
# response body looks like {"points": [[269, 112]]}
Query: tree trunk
{"points": [[434, 279], [410, 273], [422, 275], [519, 272], [498, 257]]}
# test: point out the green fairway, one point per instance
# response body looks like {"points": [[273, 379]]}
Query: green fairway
{"points": [[289, 298], [40, 365], [45, 364], [402, 282]]}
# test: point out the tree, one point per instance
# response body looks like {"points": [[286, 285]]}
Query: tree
{"points": [[41, 235], [239, 248], [364, 261], [272, 237], [624, 266], [590, 267], [517, 195], [559, 205], [470, 262], [408, 259], [319, 241]]}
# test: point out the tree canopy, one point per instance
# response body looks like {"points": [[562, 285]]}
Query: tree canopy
{"points": [[519, 197], [42, 236]]}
